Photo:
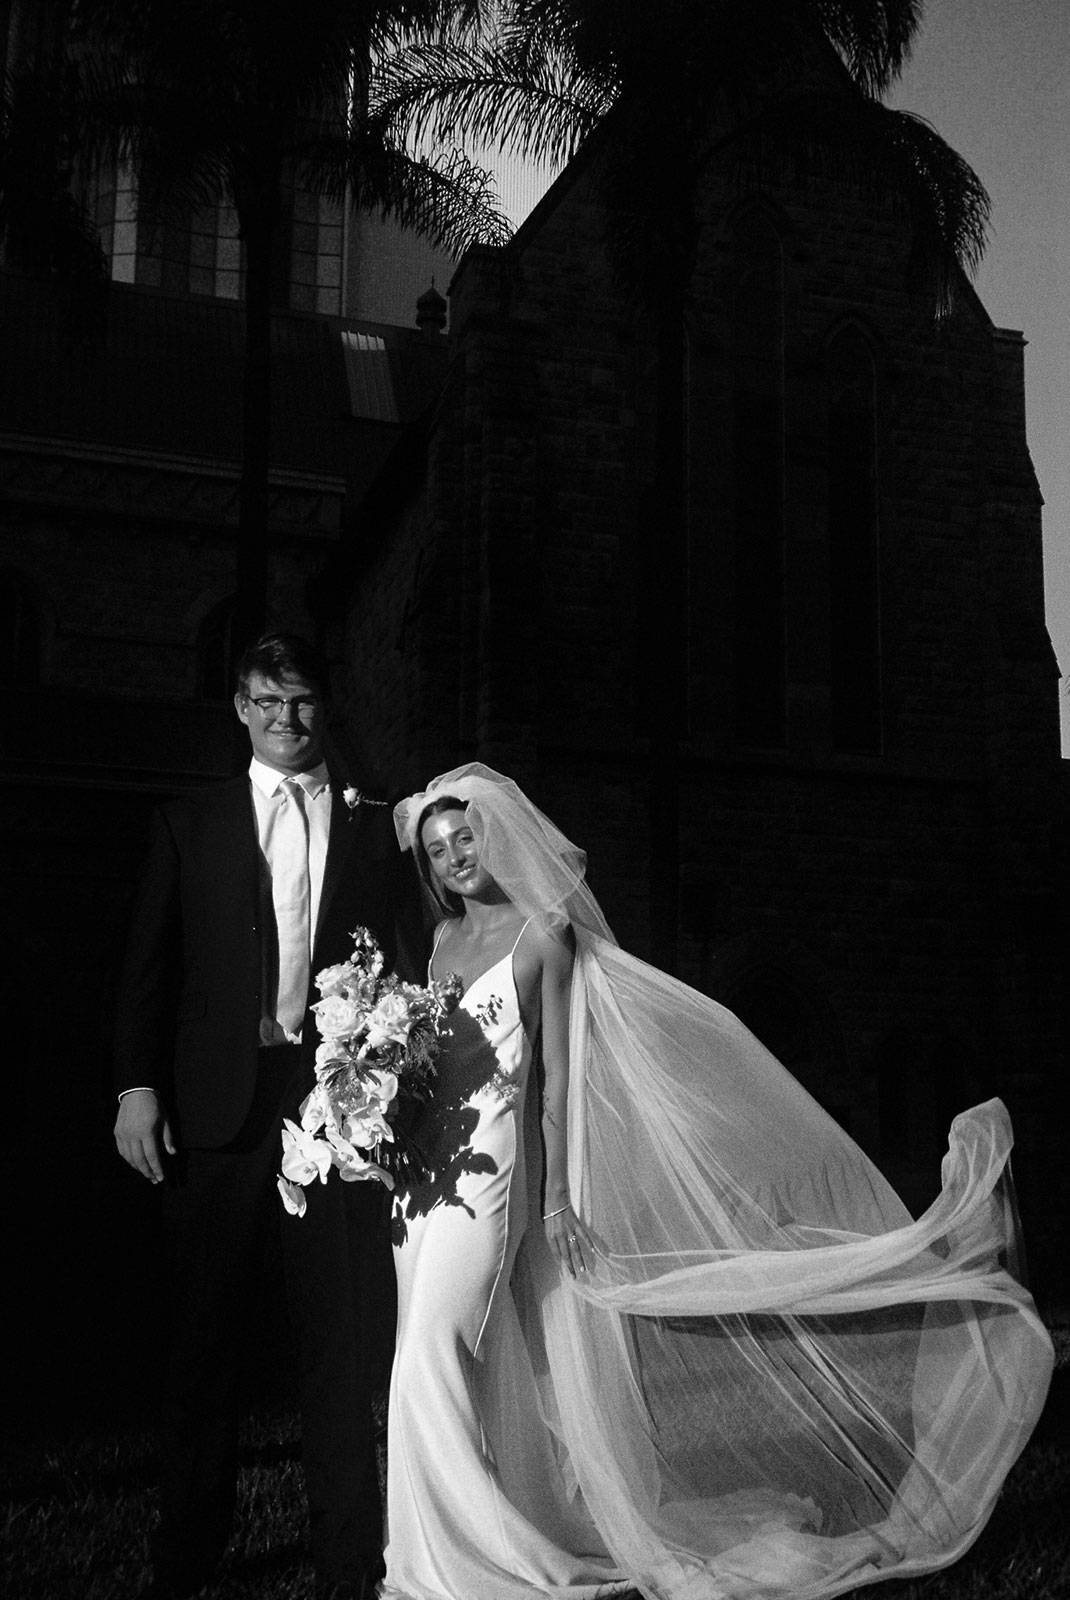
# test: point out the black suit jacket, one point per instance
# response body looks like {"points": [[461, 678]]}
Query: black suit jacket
{"points": [[189, 1001]]}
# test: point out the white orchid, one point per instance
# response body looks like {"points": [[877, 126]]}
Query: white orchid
{"points": [[382, 1086], [366, 1121], [315, 1110], [353, 1165], [367, 1127], [293, 1197], [304, 1157]]}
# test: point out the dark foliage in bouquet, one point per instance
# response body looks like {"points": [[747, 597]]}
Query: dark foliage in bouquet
{"points": [[375, 1066]]}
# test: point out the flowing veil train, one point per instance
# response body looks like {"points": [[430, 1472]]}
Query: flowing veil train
{"points": [[774, 1382]]}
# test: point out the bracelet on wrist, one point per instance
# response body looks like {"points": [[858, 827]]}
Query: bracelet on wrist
{"points": [[548, 1214]]}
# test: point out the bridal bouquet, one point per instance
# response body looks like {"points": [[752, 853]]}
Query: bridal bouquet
{"points": [[379, 1038]]}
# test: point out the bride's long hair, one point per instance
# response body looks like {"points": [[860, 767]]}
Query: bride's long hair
{"points": [[443, 899]]}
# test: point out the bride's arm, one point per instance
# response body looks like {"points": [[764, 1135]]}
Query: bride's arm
{"points": [[565, 1233]]}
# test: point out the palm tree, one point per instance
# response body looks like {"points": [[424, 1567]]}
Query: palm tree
{"points": [[699, 78], [790, 85], [234, 98], [44, 231]]}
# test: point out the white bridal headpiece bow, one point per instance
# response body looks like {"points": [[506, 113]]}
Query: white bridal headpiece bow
{"points": [[540, 870]]}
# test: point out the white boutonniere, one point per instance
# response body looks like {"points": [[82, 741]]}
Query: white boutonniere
{"points": [[353, 798]]}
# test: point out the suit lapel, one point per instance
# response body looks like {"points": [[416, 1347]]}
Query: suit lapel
{"points": [[233, 858], [343, 858]]}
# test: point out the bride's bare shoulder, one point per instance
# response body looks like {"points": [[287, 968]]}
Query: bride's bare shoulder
{"points": [[551, 950], [445, 935]]}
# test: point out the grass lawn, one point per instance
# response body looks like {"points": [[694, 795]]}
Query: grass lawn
{"points": [[76, 1508]]}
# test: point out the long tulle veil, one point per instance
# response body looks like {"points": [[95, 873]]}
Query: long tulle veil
{"points": [[775, 1382]]}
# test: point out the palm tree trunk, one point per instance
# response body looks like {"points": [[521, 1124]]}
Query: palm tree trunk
{"points": [[252, 542]]}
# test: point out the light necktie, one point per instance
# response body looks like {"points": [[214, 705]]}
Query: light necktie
{"points": [[290, 894]]}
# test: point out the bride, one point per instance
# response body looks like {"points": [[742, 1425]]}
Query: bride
{"points": [[663, 1328]]}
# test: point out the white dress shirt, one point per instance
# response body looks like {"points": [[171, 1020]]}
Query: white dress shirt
{"points": [[266, 787], [269, 796]]}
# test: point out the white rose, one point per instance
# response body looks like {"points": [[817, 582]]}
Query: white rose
{"points": [[390, 1021], [336, 1017], [336, 979]]}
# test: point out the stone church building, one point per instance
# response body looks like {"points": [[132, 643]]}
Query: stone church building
{"points": [[781, 668], [807, 730]]}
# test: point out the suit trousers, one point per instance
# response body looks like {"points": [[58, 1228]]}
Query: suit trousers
{"points": [[222, 1216], [343, 1302]]}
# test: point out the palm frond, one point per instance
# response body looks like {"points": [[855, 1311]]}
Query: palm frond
{"points": [[464, 22], [891, 154], [446, 197], [949, 205], [540, 105], [722, 37], [873, 37]]}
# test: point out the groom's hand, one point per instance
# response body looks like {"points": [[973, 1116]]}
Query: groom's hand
{"points": [[142, 1133]]}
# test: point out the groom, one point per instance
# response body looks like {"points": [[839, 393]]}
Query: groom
{"points": [[251, 887]]}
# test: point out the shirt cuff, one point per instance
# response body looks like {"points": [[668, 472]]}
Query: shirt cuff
{"points": [[138, 1088]]}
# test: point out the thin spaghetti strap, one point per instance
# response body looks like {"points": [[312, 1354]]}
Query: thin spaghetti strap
{"points": [[519, 936], [434, 948]]}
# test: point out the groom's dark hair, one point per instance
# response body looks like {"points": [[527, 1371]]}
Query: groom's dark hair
{"points": [[283, 655]]}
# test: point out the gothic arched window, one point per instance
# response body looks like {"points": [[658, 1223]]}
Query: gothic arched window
{"points": [[853, 544], [758, 454]]}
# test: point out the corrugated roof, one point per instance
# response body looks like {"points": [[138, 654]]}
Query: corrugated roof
{"points": [[164, 374]]}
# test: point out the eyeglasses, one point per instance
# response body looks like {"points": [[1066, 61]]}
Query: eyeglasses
{"points": [[269, 705]]}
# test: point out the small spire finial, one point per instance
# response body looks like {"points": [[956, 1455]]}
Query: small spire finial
{"points": [[431, 311]]}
